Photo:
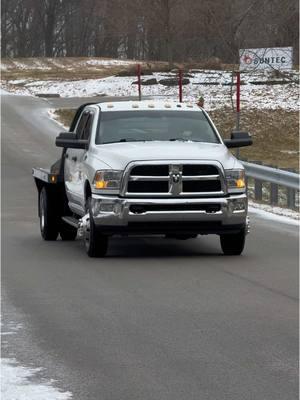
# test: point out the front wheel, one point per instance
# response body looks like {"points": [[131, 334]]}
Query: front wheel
{"points": [[233, 244], [95, 243]]}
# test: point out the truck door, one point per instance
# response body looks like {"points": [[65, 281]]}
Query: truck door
{"points": [[82, 156], [72, 173]]}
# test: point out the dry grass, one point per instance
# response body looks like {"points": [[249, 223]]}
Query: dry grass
{"points": [[76, 68], [67, 68], [274, 134], [65, 72], [65, 115]]}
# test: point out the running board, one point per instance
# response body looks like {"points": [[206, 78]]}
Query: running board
{"points": [[71, 221]]}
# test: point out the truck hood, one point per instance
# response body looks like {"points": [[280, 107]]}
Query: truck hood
{"points": [[119, 155]]}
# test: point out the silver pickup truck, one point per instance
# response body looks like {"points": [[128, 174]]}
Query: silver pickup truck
{"points": [[144, 168]]}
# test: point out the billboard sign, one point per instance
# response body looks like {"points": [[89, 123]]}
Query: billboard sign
{"points": [[278, 58]]}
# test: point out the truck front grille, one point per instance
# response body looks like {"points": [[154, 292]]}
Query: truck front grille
{"points": [[174, 180]]}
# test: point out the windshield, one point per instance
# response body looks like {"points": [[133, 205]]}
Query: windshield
{"points": [[132, 126]]}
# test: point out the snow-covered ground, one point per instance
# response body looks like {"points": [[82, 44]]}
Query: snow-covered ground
{"points": [[19, 383], [213, 85], [279, 214], [62, 62]]}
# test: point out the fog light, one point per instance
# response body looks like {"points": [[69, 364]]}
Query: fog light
{"points": [[107, 207], [238, 205]]}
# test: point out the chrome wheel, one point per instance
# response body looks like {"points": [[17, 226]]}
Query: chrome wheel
{"points": [[87, 233], [95, 243]]}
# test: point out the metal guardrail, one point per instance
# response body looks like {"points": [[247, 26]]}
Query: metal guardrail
{"points": [[274, 175], [277, 178]]}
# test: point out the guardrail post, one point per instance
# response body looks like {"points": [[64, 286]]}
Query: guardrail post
{"points": [[290, 193], [258, 189], [258, 186], [273, 191], [274, 194]]}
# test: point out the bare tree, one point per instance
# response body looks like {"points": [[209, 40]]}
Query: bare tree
{"points": [[170, 30]]}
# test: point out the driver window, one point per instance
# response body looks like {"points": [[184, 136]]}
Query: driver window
{"points": [[86, 132], [81, 124]]}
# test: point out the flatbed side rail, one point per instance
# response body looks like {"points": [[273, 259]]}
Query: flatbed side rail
{"points": [[47, 176]]}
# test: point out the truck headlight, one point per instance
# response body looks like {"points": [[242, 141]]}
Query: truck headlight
{"points": [[235, 179], [108, 180]]}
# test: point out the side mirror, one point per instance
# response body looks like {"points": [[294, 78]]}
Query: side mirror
{"points": [[238, 139], [68, 140]]}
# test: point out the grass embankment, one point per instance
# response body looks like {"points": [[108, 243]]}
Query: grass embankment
{"points": [[275, 134], [80, 68], [64, 115], [69, 68]]}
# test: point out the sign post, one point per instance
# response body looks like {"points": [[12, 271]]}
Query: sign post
{"points": [[139, 81], [180, 85], [238, 104], [238, 99]]}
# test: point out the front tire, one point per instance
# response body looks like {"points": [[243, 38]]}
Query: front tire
{"points": [[48, 215], [95, 243], [233, 244]]}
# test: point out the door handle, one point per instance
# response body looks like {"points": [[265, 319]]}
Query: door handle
{"points": [[74, 158], [67, 155]]}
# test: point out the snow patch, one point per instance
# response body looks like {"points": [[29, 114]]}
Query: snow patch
{"points": [[290, 151], [17, 81], [3, 92], [279, 214], [272, 97], [109, 63], [19, 383], [52, 115]]}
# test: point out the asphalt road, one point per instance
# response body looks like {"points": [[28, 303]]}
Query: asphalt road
{"points": [[157, 318]]}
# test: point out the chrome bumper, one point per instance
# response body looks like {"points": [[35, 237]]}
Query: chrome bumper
{"points": [[114, 211]]}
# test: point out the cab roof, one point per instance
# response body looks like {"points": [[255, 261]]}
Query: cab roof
{"points": [[167, 105]]}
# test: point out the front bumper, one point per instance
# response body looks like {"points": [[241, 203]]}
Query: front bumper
{"points": [[140, 215]]}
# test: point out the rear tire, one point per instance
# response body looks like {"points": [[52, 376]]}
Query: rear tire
{"points": [[95, 243], [233, 244], [48, 215]]}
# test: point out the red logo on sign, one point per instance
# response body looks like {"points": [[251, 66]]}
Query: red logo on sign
{"points": [[247, 59]]}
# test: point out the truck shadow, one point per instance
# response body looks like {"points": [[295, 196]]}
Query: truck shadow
{"points": [[152, 247]]}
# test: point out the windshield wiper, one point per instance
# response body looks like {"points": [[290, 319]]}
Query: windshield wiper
{"points": [[134, 140]]}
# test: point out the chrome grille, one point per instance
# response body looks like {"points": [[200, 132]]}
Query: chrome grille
{"points": [[174, 180]]}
